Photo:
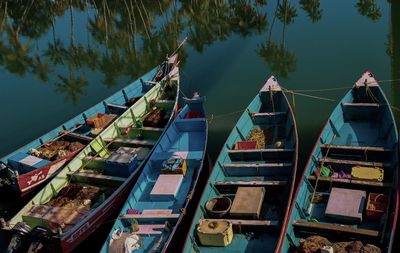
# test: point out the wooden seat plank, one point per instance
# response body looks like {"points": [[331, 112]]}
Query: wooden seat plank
{"points": [[77, 136], [350, 181], [152, 129], [131, 142], [92, 158], [249, 183], [335, 228], [352, 162], [261, 154], [364, 153], [267, 114], [116, 106], [252, 223], [151, 216], [362, 104], [97, 178], [252, 169], [256, 165], [358, 148]]}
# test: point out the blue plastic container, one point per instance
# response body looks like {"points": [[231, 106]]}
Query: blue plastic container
{"points": [[121, 163]]}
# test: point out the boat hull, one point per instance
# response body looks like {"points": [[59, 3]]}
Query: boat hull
{"points": [[361, 123], [260, 113]]}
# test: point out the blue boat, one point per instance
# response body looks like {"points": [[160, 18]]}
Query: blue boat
{"points": [[30, 166], [348, 194], [247, 197], [155, 207]]}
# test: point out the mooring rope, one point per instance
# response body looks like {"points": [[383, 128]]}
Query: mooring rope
{"points": [[224, 115], [307, 95], [344, 87]]}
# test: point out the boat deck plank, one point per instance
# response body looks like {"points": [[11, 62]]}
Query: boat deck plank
{"points": [[302, 224]]}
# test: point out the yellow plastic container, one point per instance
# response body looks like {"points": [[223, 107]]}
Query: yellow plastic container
{"points": [[215, 233], [367, 173]]}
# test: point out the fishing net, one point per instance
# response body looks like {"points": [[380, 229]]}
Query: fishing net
{"points": [[76, 195], [156, 118], [56, 150], [313, 244]]}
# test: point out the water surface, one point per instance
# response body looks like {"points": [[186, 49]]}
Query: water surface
{"points": [[58, 58]]}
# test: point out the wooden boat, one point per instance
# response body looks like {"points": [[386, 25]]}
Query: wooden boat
{"points": [[96, 182], [246, 200], [30, 166], [157, 203], [351, 178]]}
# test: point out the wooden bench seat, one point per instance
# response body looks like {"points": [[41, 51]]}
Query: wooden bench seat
{"points": [[261, 154], [361, 111], [335, 229], [373, 105], [152, 215], [267, 114], [350, 181], [248, 223], [264, 169], [150, 129], [268, 117], [357, 148], [76, 136], [131, 142], [150, 229], [360, 152], [232, 186], [249, 183], [96, 178], [351, 163], [117, 107]]}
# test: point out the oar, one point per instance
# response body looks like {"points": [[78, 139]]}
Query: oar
{"points": [[180, 45]]}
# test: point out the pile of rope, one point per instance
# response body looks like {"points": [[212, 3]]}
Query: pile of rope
{"points": [[257, 135], [263, 137], [314, 244]]}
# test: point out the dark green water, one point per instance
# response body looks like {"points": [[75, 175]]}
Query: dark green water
{"points": [[58, 58]]}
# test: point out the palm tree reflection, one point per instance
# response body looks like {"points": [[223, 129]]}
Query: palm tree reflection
{"points": [[277, 56], [369, 9]]}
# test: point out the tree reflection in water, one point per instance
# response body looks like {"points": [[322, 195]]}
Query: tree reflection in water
{"points": [[125, 38]]}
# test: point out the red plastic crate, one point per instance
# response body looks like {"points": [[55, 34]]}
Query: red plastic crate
{"points": [[246, 145]]}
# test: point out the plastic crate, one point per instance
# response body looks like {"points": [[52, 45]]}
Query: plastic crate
{"points": [[376, 206], [120, 163]]}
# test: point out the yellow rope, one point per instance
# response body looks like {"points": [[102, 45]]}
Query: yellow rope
{"points": [[213, 117], [395, 108], [306, 95]]}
